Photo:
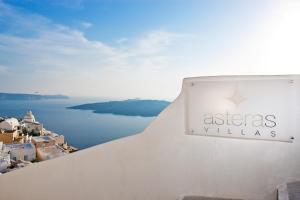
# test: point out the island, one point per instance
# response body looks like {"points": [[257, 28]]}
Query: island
{"points": [[130, 107], [21, 96]]}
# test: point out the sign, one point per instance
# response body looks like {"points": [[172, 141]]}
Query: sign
{"points": [[244, 107]]}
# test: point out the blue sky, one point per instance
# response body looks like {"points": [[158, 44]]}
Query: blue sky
{"points": [[109, 20], [131, 48]]}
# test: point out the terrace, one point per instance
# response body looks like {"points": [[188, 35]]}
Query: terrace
{"points": [[172, 158]]}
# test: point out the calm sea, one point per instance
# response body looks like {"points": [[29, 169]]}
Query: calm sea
{"points": [[81, 129]]}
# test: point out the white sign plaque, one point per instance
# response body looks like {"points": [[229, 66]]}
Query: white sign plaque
{"points": [[244, 107]]}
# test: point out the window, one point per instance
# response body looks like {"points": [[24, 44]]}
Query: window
{"points": [[26, 157]]}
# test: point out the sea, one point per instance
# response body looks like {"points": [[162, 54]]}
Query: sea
{"points": [[81, 128]]}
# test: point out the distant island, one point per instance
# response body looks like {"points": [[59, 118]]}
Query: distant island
{"points": [[20, 96], [130, 107]]}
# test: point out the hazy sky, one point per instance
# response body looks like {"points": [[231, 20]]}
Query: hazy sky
{"points": [[141, 48]]}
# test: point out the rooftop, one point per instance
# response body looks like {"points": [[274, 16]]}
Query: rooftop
{"points": [[42, 139], [51, 152], [20, 145]]}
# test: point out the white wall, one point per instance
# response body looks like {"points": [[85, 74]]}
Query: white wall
{"points": [[20, 152], [4, 162], [162, 163], [4, 159]]}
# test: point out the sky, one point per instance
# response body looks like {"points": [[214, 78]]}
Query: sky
{"points": [[141, 48]]}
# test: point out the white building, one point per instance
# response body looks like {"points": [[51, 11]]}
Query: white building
{"points": [[25, 151], [4, 159], [29, 117], [9, 124], [33, 127], [30, 124]]}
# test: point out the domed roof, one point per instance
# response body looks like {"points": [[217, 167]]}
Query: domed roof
{"points": [[9, 124], [12, 121], [29, 117]]}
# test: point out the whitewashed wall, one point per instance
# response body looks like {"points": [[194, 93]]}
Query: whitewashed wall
{"points": [[162, 163]]}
